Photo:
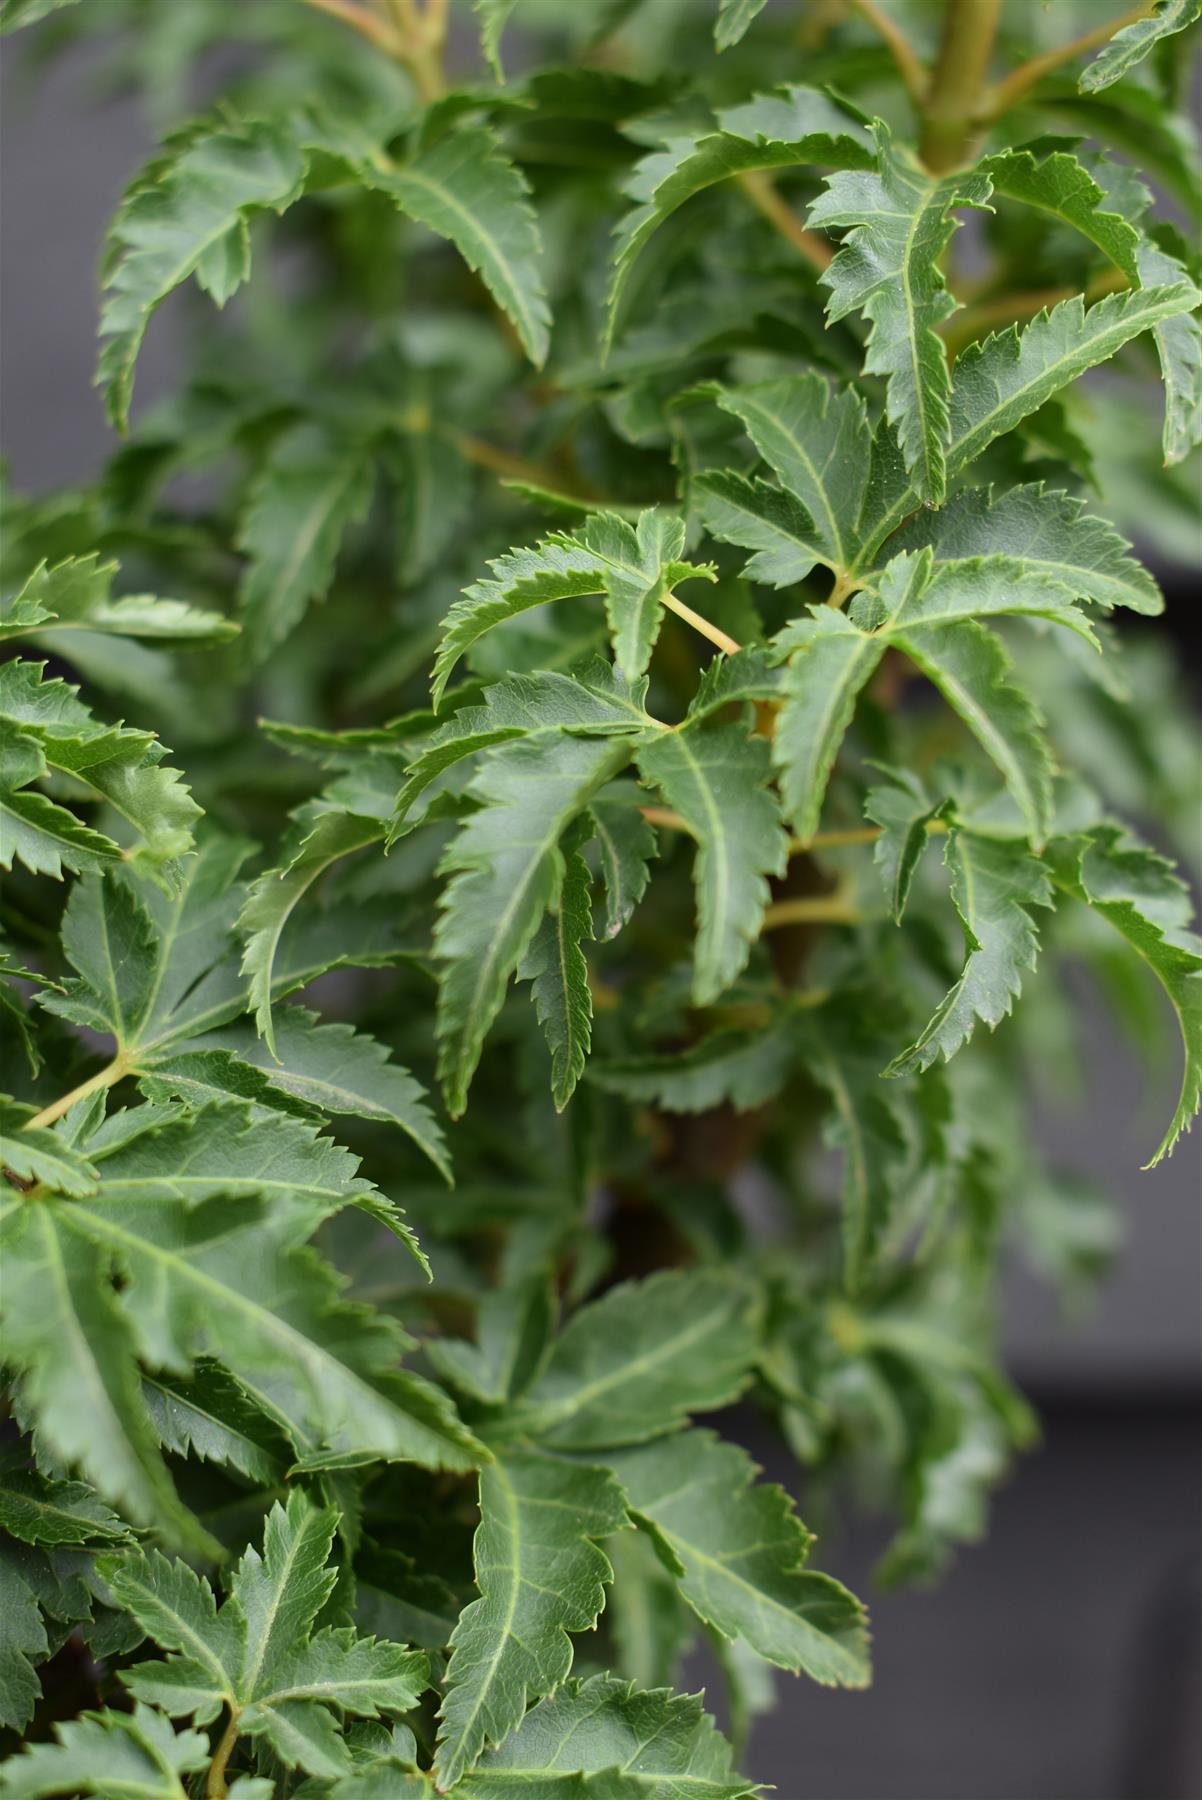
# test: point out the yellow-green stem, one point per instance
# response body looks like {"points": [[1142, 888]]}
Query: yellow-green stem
{"points": [[714, 633], [215, 1786], [1020, 81], [908, 66], [811, 909], [953, 102], [102, 1079], [757, 184]]}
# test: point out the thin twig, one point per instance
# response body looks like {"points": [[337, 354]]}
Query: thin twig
{"points": [[813, 909], [899, 47], [714, 633], [1009, 92], [835, 840], [102, 1079], [758, 186], [1008, 309], [368, 24]]}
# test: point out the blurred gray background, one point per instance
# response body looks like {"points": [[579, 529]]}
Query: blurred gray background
{"points": [[1059, 1661]]}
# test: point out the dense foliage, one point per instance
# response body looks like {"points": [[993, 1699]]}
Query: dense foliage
{"points": [[709, 429]]}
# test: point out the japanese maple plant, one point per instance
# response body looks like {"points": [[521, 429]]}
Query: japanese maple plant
{"points": [[531, 785]]}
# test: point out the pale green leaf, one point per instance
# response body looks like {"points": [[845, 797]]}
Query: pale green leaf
{"points": [[625, 845], [540, 1576], [638, 1361], [739, 1553], [44, 726], [310, 488], [905, 812], [557, 969], [779, 130], [993, 885], [715, 777], [1128, 47], [815, 440], [466, 190], [1138, 893], [112, 1756], [889, 269], [742, 1069], [1048, 532], [76, 595], [969, 666], [506, 869], [325, 838], [171, 226], [341, 1071], [830, 662], [1062, 188], [734, 16], [633, 569], [1004, 379], [603, 1739], [74, 1346], [55, 1514]]}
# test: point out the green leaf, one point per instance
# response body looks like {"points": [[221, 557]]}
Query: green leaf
{"points": [[633, 568], [625, 845], [929, 593], [1138, 893], [864, 1124], [23, 1644], [41, 1155], [76, 595], [905, 812], [1179, 346], [180, 219], [258, 1655], [830, 662], [1128, 47], [74, 1345], [1049, 533], [507, 870], [155, 969], [466, 190], [202, 1215], [597, 700], [603, 1739], [993, 884], [815, 439], [742, 1069], [638, 1361], [341, 1071], [1061, 187], [970, 668], [779, 130], [493, 15], [734, 16], [557, 969], [739, 1552], [114, 1756], [323, 838], [16, 13], [45, 728], [55, 1514], [310, 488], [889, 270], [210, 1416], [1002, 380], [540, 1576], [716, 777], [513, 1326]]}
